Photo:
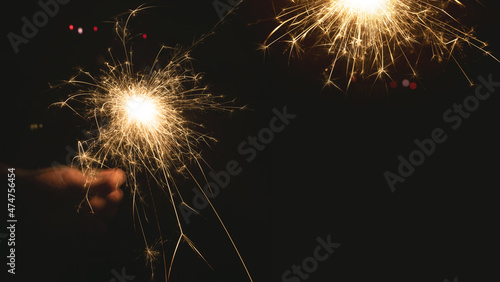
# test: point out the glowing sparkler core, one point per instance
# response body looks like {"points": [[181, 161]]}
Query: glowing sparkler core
{"points": [[364, 6], [141, 109]]}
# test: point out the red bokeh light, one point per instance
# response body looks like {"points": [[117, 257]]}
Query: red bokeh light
{"points": [[95, 28], [413, 86], [394, 84], [144, 36], [71, 27]]}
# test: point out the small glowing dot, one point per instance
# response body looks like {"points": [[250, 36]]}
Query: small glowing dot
{"points": [[394, 84], [80, 30], [406, 83], [413, 86], [35, 126], [71, 27], [95, 28], [144, 36], [354, 78]]}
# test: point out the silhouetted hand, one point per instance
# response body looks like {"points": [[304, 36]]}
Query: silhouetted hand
{"points": [[66, 199]]}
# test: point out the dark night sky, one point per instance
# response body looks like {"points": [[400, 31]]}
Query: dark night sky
{"points": [[324, 174]]}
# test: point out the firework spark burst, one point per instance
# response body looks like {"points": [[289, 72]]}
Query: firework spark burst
{"points": [[142, 127], [366, 37]]}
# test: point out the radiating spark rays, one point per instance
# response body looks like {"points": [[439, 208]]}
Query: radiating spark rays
{"points": [[369, 36], [142, 127]]}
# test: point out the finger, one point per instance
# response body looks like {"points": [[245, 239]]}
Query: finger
{"points": [[108, 181], [106, 206], [73, 178], [98, 204], [60, 179], [114, 197], [112, 201]]}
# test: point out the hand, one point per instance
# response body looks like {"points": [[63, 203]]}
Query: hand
{"points": [[66, 199]]}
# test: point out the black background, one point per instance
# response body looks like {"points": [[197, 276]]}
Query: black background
{"points": [[322, 175]]}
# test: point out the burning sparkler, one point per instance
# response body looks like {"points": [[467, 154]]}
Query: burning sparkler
{"points": [[371, 35], [142, 127]]}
